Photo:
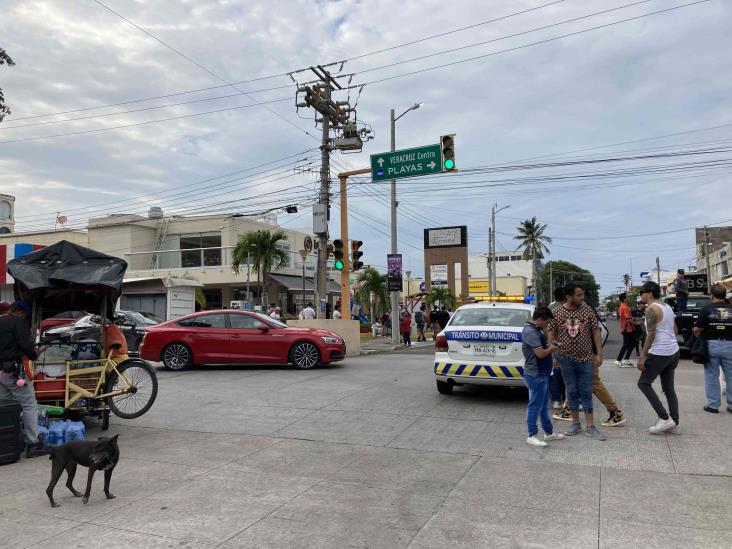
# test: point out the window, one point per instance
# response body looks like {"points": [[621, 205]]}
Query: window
{"points": [[289, 261], [491, 317], [205, 321], [245, 322], [200, 250], [5, 209]]}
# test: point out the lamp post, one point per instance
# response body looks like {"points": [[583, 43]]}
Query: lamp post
{"points": [[395, 295], [304, 256], [492, 248]]}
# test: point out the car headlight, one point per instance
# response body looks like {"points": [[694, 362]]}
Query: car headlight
{"points": [[331, 339]]}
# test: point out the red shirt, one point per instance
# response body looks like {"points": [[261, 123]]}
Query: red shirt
{"points": [[625, 316], [407, 323]]}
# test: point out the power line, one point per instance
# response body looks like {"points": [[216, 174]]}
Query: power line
{"points": [[264, 103], [278, 74], [545, 41]]}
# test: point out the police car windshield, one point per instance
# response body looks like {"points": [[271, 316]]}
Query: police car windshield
{"points": [[490, 317]]}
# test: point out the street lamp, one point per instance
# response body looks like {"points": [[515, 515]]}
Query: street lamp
{"points": [[395, 295], [492, 248]]}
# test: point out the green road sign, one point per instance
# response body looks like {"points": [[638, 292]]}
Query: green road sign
{"points": [[406, 163]]}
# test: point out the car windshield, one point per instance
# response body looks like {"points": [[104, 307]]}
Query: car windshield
{"points": [[271, 320], [485, 316], [140, 319]]}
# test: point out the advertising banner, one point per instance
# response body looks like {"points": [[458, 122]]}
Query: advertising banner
{"points": [[394, 269]]}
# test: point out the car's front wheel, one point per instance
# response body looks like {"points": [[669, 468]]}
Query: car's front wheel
{"points": [[177, 357], [305, 356], [444, 388]]}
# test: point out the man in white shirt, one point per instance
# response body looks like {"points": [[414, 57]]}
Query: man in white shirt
{"points": [[308, 313], [337, 313]]}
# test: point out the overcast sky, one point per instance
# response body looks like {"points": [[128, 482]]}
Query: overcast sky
{"points": [[654, 76]]}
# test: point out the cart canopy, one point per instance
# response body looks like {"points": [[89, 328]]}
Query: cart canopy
{"points": [[68, 277]]}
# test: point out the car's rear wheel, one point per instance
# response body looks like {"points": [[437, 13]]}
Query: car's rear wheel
{"points": [[305, 356], [444, 388], [177, 357]]}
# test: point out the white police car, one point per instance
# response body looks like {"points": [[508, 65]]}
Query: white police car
{"points": [[482, 345]]}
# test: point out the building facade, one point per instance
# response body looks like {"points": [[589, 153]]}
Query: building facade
{"points": [[196, 248]]}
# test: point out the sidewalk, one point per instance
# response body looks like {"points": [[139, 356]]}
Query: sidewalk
{"points": [[384, 345]]}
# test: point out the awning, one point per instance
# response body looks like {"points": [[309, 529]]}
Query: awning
{"points": [[167, 281], [294, 283]]}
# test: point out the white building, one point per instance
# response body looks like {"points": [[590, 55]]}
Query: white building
{"points": [[508, 264]]}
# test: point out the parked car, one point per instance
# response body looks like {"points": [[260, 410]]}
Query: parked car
{"points": [[685, 321], [238, 337], [61, 319], [132, 323]]}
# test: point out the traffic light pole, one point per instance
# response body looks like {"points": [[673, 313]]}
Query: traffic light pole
{"points": [[394, 295], [345, 273]]}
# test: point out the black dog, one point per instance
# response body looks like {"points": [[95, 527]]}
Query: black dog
{"points": [[99, 455]]}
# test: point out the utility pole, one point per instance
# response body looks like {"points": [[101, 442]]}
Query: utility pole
{"points": [[489, 259], [658, 270], [394, 295], [336, 117], [551, 282], [706, 260], [494, 211]]}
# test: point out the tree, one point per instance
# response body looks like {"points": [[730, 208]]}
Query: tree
{"points": [[534, 241], [560, 272], [373, 291], [626, 281], [260, 247], [5, 59], [442, 296]]}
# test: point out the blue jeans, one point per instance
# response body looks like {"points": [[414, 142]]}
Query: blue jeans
{"points": [[556, 386], [578, 377], [538, 404], [720, 356], [681, 303]]}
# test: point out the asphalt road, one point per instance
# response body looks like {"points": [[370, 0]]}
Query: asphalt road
{"points": [[368, 454]]}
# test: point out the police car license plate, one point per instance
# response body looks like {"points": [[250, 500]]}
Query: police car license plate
{"points": [[484, 350]]}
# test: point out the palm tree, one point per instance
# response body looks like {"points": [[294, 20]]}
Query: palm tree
{"points": [[373, 291], [626, 281], [260, 247], [443, 296], [534, 241]]}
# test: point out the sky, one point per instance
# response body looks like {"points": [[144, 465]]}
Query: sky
{"points": [[530, 96]]}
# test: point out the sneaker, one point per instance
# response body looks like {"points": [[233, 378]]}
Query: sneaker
{"points": [[563, 415], [573, 429], [627, 364], [554, 436], [662, 425], [711, 410], [536, 441], [618, 363], [36, 450], [558, 405], [616, 419], [594, 432]]}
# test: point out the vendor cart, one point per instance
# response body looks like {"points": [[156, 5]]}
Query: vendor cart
{"points": [[84, 377]]}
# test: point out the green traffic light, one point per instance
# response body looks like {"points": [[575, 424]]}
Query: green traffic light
{"points": [[338, 265], [449, 164]]}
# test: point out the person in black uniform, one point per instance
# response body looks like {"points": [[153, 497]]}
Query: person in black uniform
{"points": [[15, 343]]}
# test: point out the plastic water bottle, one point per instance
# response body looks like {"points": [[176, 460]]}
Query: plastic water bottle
{"points": [[42, 433], [75, 430], [56, 433]]}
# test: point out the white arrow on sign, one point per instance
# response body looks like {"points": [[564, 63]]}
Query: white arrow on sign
{"points": [[431, 165], [380, 162]]}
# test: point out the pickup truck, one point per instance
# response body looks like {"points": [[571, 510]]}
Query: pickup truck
{"points": [[685, 321]]}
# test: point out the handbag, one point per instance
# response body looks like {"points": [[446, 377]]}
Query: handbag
{"points": [[700, 350]]}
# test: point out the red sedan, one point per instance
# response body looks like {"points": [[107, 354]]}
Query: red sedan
{"points": [[238, 337]]}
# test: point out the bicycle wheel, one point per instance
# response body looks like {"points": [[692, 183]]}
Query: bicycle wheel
{"points": [[144, 389]]}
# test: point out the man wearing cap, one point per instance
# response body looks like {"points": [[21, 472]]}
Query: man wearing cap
{"points": [[15, 343]]}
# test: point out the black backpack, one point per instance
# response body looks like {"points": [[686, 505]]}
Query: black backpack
{"points": [[11, 432]]}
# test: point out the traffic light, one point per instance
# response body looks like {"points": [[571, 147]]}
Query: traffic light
{"points": [[338, 254], [447, 146], [356, 255]]}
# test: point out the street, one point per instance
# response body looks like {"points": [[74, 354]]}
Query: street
{"points": [[368, 454]]}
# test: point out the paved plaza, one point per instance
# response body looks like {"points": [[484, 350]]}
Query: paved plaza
{"points": [[368, 454]]}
